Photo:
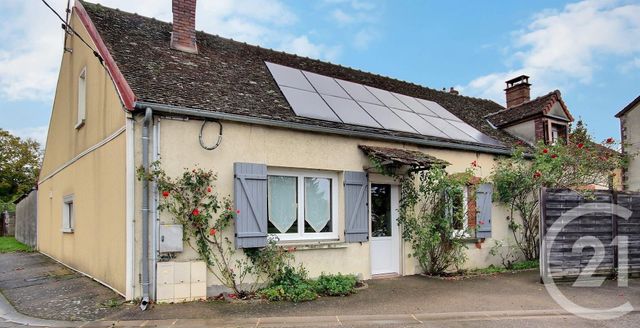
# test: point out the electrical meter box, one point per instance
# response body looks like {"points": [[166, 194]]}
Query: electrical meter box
{"points": [[170, 238]]}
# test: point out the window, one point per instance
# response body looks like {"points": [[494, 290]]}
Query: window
{"points": [[301, 205], [558, 132], [68, 214], [457, 210], [82, 98]]}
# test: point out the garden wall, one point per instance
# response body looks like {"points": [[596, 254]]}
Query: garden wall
{"points": [[27, 219]]}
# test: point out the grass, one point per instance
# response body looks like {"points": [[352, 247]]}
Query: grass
{"points": [[518, 266], [10, 244]]}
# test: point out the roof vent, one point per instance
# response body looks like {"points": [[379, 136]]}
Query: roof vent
{"points": [[183, 36], [518, 91]]}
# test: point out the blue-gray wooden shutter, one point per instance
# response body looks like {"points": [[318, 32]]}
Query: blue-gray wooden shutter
{"points": [[484, 195], [356, 200], [250, 198]]}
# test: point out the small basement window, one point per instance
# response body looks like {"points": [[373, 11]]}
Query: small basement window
{"points": [[82, 98], [68, 214], [302, 204]]}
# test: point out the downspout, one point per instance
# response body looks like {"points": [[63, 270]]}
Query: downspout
{"points": [[145, 210]]}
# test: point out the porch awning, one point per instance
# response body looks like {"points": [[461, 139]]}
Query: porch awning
{"points": [[395, 157]]}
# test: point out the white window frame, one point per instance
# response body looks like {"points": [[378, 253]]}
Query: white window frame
{"points": [[82, 98], [68, 214], [300, 175], [465, 219]]}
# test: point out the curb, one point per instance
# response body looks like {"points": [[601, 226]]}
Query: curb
{"points": [[10, 315]]}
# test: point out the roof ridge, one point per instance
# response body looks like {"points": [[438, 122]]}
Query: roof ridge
{"points": [[257, 46]]}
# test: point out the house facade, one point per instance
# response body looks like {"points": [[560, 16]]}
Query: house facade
{"points": [[291, 139], [630, 121]]}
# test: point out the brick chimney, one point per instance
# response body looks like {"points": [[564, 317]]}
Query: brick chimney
{"points": [[518, 91], [183, 36]]}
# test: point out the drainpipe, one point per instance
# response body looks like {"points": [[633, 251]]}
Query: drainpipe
{"points": [[145, 210]]}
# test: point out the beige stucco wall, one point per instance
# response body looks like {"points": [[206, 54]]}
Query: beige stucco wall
{"points": [[525, 131], [631, 122], [97, 180], [180, 149]]}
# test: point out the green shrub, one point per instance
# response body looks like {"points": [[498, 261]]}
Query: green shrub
{"points": [[335, 285], [292, 285]]}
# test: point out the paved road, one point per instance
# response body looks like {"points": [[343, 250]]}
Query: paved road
{"points": [[627, 321]]}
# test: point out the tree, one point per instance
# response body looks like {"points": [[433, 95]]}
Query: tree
{"points": [[19, 167], [580, 164]]}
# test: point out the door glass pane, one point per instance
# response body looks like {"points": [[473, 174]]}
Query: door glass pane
{"points": [[380, 210], [317, 204], [282, 204]]}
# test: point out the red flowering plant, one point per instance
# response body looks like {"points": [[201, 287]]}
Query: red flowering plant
{"points": [[575, 164], [192, 202]]}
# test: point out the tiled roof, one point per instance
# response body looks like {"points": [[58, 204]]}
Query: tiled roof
{"points": [[525, 110], [396, 156], [231, 77]]}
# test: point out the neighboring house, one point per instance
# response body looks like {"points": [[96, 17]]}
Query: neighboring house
{"points": [[629, 122], [289, 125]]}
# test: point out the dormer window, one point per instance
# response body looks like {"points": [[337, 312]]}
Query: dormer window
{"points": [[82, 98], [558, 131]]}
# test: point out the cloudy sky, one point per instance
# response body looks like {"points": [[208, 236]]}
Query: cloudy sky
{"points": [[590, 50]]}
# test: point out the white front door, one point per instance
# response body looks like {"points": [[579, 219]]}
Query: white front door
{"points": [[385, 238]]}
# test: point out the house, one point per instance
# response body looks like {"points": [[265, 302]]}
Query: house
{"points": [[147, 90], [630, 121]]}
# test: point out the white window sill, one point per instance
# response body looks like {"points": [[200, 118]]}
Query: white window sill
{"points": [[66, 230], [311, 245]]}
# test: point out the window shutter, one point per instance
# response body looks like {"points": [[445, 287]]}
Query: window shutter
{"points": [[484, 195], [250, 198], [356, 201]]}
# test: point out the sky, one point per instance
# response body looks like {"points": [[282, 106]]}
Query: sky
{"points": [[589, 50]]}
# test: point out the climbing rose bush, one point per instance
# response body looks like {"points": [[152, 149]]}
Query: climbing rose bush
{"points": [[192, 201], [579, 164]]}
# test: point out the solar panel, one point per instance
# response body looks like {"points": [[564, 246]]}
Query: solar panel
{"points": [[308, 104], [477, 135], [321, 97], [326, 85], [387, 118], [350, 112], [420, 125], [446, 127], [414, 104], [439, 110], [359, 92], [290, 77], [387, 98]]}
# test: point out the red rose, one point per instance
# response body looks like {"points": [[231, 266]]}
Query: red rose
{"points": [[554, 156], [545, 150], [165, 194], [610, 140], [208, 189], [474, 163], [580, 145], [195, 212], [212, 231], [237, 211], [537, 175]]}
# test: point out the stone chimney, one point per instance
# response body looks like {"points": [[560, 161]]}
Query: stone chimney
{"points": [[517, 91], [183, 36]]}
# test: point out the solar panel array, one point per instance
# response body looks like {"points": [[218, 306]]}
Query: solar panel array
{"points": [[321, 97]]}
